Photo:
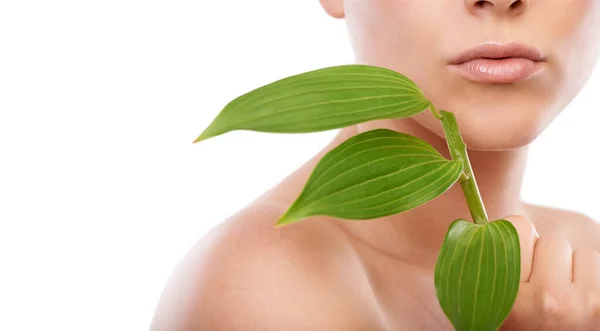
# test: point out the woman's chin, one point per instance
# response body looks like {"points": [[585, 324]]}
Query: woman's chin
{"points": [[491, 132], [495, 141], [484, 134]]}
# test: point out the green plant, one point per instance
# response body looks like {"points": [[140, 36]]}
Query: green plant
{"points": [[383, 172]]}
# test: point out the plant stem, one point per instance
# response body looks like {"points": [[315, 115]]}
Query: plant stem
{"points": [[435, 112], [458, 150]]}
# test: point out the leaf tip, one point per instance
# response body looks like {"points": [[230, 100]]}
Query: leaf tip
{"points": [[289, 217], [199, 139], [206, 134], [279, 224]]}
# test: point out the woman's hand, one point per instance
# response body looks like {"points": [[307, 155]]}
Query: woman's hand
{"points": [[560, 288]]}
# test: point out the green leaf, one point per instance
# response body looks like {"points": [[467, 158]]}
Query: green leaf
{"points": [[319, 100], [374, 174], [477, 274]]}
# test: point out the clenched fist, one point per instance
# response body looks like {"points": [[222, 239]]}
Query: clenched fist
{"points": [[560, 288]]}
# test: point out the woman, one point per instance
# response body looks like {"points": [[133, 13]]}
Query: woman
{"points": [[506, 69]]}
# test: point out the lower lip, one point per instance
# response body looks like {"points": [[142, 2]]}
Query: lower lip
{"points": [[508, 70]]}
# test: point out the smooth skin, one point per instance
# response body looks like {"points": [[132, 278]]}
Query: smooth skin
{"points": [[327, 274]]}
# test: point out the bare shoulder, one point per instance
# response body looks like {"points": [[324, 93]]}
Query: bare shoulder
{"points": [[247, 275], [579, 229]]}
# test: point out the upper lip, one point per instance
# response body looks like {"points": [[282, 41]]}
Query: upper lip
{"points": [[499, 51]]}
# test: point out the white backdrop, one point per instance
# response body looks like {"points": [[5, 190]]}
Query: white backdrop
{"points": [[101, 188]]}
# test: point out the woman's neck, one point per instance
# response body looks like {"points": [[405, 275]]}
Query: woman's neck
{"points": [[416, 235]]}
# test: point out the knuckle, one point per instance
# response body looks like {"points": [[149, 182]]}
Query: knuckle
{"points": [[558, 307], [594, 305], [553, 241], [524, 227], [550, 303]]}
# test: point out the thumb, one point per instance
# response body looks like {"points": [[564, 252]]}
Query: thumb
{"points": [[527, 236]]}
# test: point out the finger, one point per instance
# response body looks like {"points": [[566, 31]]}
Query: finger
{"points": [[527, 237], [552, 261], [586, 268]]}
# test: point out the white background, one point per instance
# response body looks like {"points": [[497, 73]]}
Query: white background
{"points": [[101, 188]]}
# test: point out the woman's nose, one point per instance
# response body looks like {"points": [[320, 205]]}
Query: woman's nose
{"points": [[496, 7]]}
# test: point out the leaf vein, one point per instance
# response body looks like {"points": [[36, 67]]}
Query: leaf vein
{"points": [[398, 188], [328, 102], [377, 178]]}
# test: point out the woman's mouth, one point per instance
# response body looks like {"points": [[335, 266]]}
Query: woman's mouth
{"points": [[495, 63]]}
